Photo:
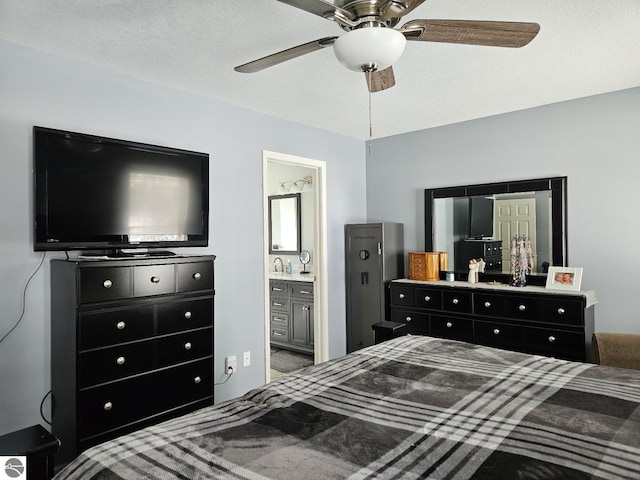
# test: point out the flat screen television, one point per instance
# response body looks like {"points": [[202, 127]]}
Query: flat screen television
{"points": [[480, 217], [97, 193]]}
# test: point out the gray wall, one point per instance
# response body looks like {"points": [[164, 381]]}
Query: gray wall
{"points": [[593, 141], [41, 89]]}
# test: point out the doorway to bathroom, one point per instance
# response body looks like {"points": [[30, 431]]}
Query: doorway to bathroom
{"points": [[296, 324]]}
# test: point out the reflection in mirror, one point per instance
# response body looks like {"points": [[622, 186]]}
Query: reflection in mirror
{"points": [[284, 224], [488, 223], [480, 221]]}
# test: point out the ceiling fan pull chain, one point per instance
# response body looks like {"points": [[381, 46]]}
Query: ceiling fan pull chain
{"points": [[370, 124]]}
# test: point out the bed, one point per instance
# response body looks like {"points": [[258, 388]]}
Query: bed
{"points": [[411, 407]]}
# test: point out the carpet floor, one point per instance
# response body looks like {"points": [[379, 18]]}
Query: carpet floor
{"points": [[287, 361]]}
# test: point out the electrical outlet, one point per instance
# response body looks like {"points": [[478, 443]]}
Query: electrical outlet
{"points": [[246, 359], [230, 364]]}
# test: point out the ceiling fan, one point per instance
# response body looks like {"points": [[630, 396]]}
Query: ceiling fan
{"points": [[372, 44]]}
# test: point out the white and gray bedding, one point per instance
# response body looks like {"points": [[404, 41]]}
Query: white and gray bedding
{"points": [[412, 407]]}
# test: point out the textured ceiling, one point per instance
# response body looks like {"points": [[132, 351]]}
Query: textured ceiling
{"points": [[584, 47]]}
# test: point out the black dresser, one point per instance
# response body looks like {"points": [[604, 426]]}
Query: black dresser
{"points": [[489, 250], [530, 319], [131, 344]]}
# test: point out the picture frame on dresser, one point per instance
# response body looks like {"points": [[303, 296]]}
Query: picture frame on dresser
{"points": [[564, 278]]}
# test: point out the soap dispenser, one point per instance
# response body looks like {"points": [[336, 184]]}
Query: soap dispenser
{"points": [[289, 267]]}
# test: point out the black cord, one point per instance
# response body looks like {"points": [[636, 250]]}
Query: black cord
{"points": [[42, 404], [229, 375], [24, 298]]}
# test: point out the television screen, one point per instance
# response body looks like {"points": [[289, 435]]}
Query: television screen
{"points": [[480, 217], [101, 193]]}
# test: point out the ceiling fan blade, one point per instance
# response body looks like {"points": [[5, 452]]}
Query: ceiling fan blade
{"points": [[472, 32], [319, 7], [380, 79], [283, 56]]}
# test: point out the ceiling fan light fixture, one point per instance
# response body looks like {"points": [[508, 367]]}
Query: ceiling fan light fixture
{"points": [[363, 48]]}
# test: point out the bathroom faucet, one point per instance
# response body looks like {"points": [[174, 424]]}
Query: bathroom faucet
{"points": [[275, 266]]}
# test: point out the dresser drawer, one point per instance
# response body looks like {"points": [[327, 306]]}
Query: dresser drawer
{"points": [[452, 327], [194, 276], [186, 315], [459, 302], [105, 283], [279, 304], [523, 308], [99, 366], [499, 334], [402, 295], [183, 347], [113, 405], [279, 334], [153, 280], [430, 298], [489, 305], [567, 312], [108, 327], [280, 320], [557, 343], [415, 322], [302, 290], [279, 288]]}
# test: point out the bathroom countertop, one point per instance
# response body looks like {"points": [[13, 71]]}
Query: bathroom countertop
{"points": [[295, 276]]}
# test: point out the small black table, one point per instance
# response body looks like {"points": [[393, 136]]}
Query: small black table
{"points": [[386, 330], [37, 444]]}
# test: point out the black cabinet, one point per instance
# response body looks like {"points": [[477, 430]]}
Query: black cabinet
{"points": [[131, 344], [291, 312], [489, 250], [530, 319]]}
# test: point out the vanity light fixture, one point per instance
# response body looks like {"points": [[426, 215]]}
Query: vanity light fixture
{"points": [[294, 186]]}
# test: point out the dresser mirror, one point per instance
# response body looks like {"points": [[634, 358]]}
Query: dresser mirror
{"points": [[479, 221], [284, 224]]}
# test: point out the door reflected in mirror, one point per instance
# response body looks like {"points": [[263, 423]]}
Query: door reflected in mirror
{"points": [[284, 224]]}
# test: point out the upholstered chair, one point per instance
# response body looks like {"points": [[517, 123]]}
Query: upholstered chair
{"points": [[617, 349]]}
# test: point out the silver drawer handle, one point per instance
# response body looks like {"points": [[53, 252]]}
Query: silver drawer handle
{"points": [[107, 284], [496, 331], [278, 319], [552, 338], [120, 360], [408, 319], [455, 301], [120, 325], [401, 295], [305, 292], [187, 314], [108, 406], [197, 380], [277, 289], [487, 304], [561, 311], [278, 334], [197, 276], [427, 298], [278, 304], [155, 279], [522, 308], [187, 346], [449, 324]]}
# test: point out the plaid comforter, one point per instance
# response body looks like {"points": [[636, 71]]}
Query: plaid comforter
{"points": [[412, 407]]}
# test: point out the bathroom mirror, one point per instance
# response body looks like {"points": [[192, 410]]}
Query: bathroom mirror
{"points": [[284, 224], [479, 221]]}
